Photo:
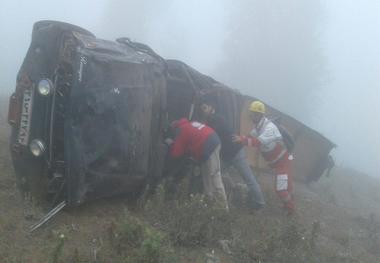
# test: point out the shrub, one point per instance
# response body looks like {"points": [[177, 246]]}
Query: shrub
{"points": [[198, 222], [189, 219], [130, 232], [151, 246], [58, 249], [136, 241]]}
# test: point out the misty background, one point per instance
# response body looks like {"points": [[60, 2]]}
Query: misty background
{"points": [[318, 60]]}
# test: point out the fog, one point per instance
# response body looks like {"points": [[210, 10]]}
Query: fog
{"points": [[318, 61], [349, 114]]}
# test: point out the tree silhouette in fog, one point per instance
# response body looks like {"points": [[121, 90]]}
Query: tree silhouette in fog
{"points": [[272, 52]]}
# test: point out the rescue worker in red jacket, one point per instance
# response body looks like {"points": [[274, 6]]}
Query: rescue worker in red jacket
{"points": [[267, 138], [202, 144]]}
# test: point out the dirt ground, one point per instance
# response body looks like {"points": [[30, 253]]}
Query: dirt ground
{"points": [[342, 211]]}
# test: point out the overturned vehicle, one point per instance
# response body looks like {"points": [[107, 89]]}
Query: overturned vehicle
{"points": [[88, 116]]}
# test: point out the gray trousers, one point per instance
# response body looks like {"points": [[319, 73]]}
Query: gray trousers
{"points": [[240, 162], [212, 179]]}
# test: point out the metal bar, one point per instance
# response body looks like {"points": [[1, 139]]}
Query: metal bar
{"points": [[58, 194], [195, 92], [48, 216], [52, 111]]}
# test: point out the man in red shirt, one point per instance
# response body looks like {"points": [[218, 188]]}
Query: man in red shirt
{"points": [[202, 144]]}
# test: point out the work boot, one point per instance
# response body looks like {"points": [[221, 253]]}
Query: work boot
{"points": [[252, 203], [290, 207], [255, 206]]}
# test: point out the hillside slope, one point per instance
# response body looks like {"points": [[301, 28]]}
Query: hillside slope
{"points": [[337, 221]]}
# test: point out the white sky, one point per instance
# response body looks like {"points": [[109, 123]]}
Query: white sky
{"points": [[194, 31], [350, 113]]}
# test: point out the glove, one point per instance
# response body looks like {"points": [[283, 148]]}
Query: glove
{"points": [[237, 138], [168, 141]]}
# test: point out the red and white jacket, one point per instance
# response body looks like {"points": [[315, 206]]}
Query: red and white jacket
{"points": [[268, 139], [194, 138]]}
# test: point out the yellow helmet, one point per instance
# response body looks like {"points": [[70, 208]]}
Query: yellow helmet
{"points": [[257, 106]]}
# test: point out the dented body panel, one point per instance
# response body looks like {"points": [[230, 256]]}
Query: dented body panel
{"points": [[101, 125]]}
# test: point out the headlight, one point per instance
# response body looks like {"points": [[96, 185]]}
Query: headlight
{"points": [[45, 87], [37, 147]]}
